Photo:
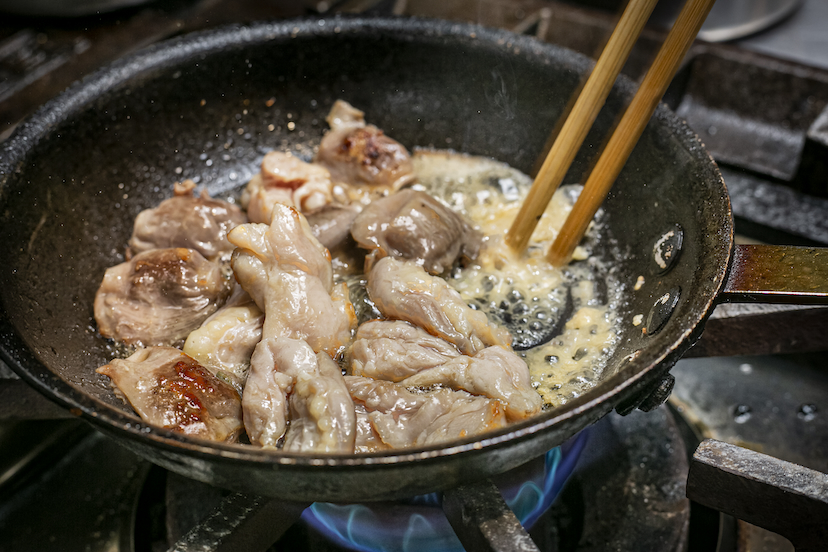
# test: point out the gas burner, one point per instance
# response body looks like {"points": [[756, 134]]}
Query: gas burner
{"points": [[626, 491]]}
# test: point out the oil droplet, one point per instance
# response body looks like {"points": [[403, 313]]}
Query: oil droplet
{"points": [[807, 412], [741, 413]]}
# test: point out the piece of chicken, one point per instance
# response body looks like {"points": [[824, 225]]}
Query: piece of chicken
{"points": [[193, 222], [362, 155], [285, 179], [412, 225], [400, 418], [158, 297], [331, 225], [404, 291], [289, 382], [322, 416], [170, 389], [288, 274], [225, 341], [494, 372], [394, 350]]}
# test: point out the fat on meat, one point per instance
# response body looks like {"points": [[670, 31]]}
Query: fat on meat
{"points": [[395, 350], [289, 383], [412, 225], [158, 297], [322, 414], [400, 418], [192, 222], [362, 155], [288, 274], [169, 389], [494, 372], [402, 290], [287, 180], [225, 341]]}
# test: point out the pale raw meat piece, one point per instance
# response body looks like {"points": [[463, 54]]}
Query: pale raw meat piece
{"points": [[322, 416], [285, 179], [404, 291], [400, 418], [169, 389], [395, 350], [494, 372], [224, 343], [362, 155], [158, 297], [412, 225], [324, 412], [199, 223], [367, 440], [288, 274]]}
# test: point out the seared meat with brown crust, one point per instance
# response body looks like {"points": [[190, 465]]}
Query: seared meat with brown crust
{"points": [[158, 297], [412, 225], [171, 390], [199, 223], [362, 155]]}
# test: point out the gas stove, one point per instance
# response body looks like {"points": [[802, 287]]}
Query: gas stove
{"points": [[747, 411]]}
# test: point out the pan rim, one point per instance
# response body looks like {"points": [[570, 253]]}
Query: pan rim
{"points": [[13, 347]]}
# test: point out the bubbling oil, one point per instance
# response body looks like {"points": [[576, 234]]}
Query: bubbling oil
{"points": [[575, 305]]}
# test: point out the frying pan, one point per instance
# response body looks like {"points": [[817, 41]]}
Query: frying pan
{"points": [[208, 106]]}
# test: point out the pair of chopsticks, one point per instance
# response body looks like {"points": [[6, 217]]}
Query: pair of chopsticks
{"points": [[626, 134]]}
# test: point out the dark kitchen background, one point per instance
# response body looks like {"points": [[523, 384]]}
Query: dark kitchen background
{"points": [[755, 90]]}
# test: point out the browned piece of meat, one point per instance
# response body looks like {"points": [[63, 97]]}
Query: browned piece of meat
{"points": [[287, 180], [169, 389], [412, 225], [399, 418], [288, 381], [199, 223], [404, 291], [158, 297], [494, 372], [395, 350], [288, 274], [362, 155]]}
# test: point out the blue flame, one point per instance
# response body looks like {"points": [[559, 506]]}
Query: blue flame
{"points": [[419, 523]]}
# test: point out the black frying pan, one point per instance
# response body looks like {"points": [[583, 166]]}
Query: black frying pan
{"points": [[73, 177]]}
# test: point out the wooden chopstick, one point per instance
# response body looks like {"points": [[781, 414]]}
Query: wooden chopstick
{"points": [[630, 128], [580, 119]]}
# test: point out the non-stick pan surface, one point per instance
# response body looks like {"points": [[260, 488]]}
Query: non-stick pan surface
{"points": [[209, 106]]}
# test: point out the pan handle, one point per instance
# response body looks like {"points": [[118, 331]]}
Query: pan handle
{"points": [[777, 274], [761, 275]]}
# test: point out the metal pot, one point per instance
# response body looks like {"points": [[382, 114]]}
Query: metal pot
{"points": [[73, 177]]}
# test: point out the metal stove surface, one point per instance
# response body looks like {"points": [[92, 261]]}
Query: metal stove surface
{"points": [[765, 93]]}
